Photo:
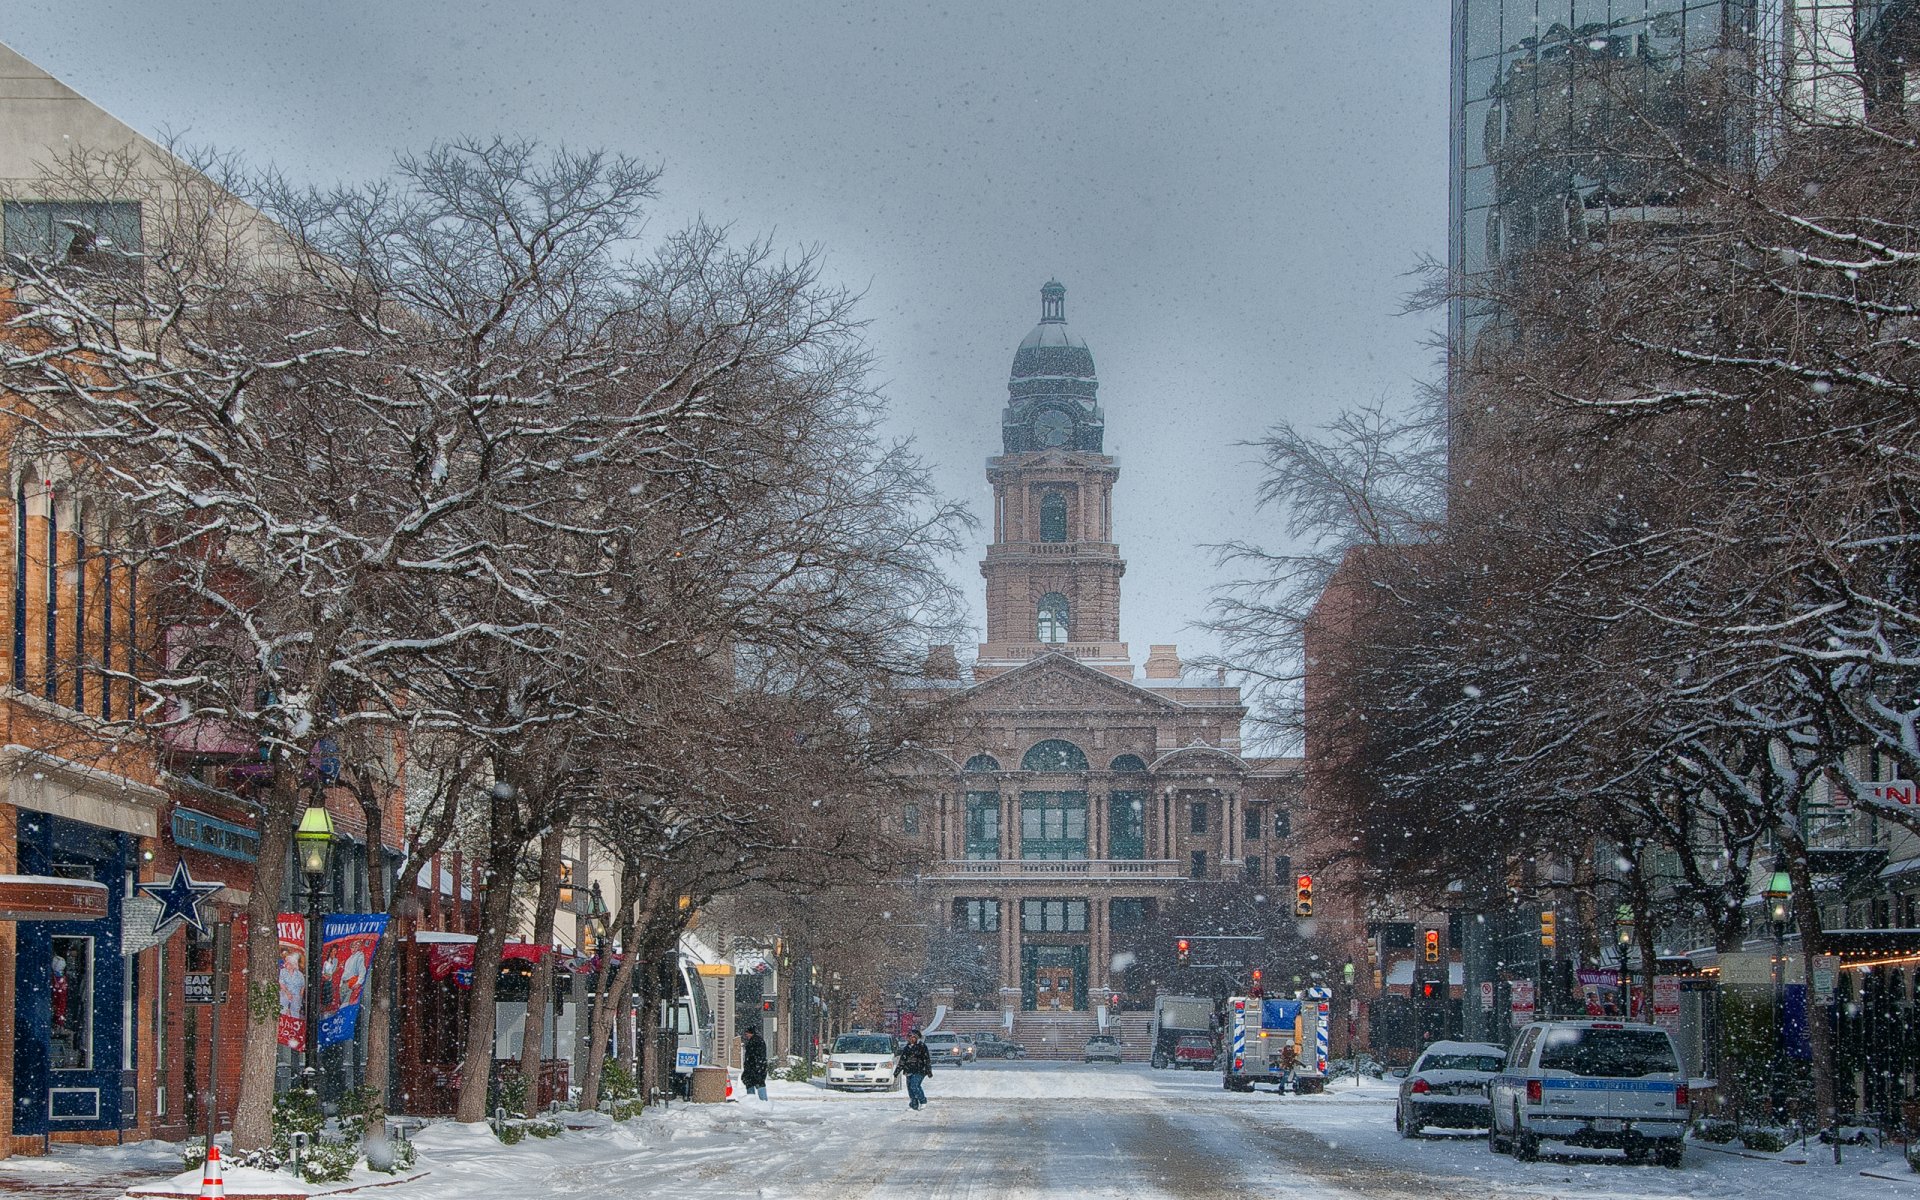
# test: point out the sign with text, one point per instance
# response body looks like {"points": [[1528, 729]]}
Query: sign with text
{"points": [[1902, 792], [347, 944], [1746, 970], [1826, 972], [1520, 995], [1486, 997], [293, 980], [199, 987]]}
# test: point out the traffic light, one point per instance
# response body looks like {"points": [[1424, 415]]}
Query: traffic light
{"points": [[1256, 989], [1182, 950], [1546, 929], [1303, 896], [1433, 945]]}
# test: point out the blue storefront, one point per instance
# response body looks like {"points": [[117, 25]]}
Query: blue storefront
{"points": [[73, 1050]]}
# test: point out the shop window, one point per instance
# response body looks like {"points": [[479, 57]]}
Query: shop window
{"points": [[72, 988]]}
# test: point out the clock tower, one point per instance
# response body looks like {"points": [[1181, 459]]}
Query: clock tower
{"points": [[1053, 570]]}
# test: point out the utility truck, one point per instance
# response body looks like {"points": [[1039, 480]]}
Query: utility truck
{"points": [[1281, 1043], [1175, 1017]]}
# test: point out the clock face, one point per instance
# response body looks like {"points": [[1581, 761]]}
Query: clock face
{"points": [[1051, 428]]}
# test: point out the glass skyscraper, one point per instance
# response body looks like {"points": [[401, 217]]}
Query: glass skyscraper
{"points": [[1559, 108]]}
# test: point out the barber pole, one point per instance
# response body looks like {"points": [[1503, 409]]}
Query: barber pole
{"points": [[1239, 1034], [1324, 1003]]}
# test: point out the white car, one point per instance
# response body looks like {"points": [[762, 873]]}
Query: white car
{"points": [[1591, 1083], [949, 1049], [1447, 1087], [863, 1061]]}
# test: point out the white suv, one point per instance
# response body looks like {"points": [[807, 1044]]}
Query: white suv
{"points": [[1590, 1083]]}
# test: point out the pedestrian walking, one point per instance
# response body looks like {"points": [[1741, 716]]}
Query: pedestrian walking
{"points": [[916, 1063], [753, 1063]]}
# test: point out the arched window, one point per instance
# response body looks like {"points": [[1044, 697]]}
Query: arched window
{"points": [[1053, 517], [982, 762], [1053, 619], [1054, 754], [1127, 762]]}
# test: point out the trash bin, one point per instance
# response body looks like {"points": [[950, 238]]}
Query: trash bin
{"points": [[709, 1085]]}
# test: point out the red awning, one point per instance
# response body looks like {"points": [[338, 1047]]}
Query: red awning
{"points": [[444, 958]]}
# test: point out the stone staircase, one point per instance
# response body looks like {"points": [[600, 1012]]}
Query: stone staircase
{"points": [[1058, 1035]]}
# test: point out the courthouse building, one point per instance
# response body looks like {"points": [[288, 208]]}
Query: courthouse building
{"points": [[1077, 802]]}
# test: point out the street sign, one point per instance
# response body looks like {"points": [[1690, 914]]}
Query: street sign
{"points": [[1826, 972], [1747, 970], [1520, 994], [200, 987], [1486, 997]]}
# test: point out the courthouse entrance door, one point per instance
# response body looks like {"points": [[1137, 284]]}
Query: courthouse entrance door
{"points": [[1053, 987]]}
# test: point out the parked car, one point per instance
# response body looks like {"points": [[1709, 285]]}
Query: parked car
{"points": [[863, 1061], [1102, 1048], [1193, 1050], [1591, 1083], [1447, 1087], [992, 1045], [948, 1048]]}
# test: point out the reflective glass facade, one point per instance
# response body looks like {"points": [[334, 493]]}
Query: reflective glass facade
{"points": [[1551, 100]]}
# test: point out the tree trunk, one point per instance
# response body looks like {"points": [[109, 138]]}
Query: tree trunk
{"points": [[260, 1039], [540, 988], [605, 994], [373, 1140], [503, 854], [1806, 913]]}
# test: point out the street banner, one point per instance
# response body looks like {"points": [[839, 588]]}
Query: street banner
{"points": [[347, 944], [293, 980]]}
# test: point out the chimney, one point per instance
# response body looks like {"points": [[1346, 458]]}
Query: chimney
{"points": [[1163, 662], [941, 663]]}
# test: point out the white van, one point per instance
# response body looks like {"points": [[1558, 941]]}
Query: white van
{"points": [[1590, 1083]]}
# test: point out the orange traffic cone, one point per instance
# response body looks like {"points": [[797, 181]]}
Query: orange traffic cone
{"points": [[729, 1087], [213, 1186]]}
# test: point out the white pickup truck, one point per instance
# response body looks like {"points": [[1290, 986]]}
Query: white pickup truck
{"points": [[1590, 1083]]}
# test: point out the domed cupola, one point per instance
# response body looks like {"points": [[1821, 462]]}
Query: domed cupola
{"points": [[1052, 374]]}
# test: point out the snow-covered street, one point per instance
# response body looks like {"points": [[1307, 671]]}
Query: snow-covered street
{"points": [[1037, 1129]]}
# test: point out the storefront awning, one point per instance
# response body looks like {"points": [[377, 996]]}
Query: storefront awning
{"points": [[51, 898]]}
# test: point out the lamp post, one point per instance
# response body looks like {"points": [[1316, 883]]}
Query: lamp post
{"points": [[314, 839], [1623, 936], [1353, 1015], [1779, 897]]}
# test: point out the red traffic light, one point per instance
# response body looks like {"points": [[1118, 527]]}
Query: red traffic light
{"points": [[1181, 947], [1433, 945], [1256, 974]]}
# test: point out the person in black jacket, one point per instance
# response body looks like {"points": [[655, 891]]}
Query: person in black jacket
{"points": [[916, 1063], [753, 1064]]}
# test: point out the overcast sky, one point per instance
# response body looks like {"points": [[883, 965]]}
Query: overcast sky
{"points": [[1232, 193]]}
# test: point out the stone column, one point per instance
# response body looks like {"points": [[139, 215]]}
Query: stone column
{"points": [[1009, 818], [1097, 831]]}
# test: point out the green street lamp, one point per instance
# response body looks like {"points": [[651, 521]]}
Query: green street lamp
{"points": [[1780, 895], [314, 837]]}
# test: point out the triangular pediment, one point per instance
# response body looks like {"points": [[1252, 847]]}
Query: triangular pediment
{"points": [[1055, 681]]}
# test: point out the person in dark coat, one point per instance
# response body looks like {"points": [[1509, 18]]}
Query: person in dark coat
{"points": [[916, 1063], [753, 1064]]}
